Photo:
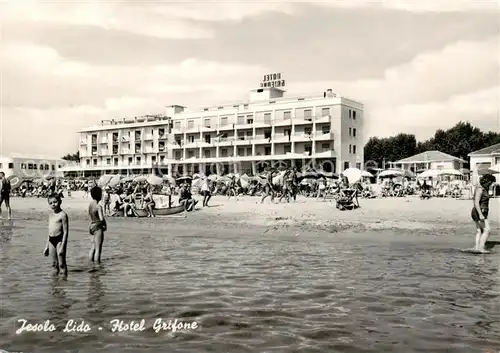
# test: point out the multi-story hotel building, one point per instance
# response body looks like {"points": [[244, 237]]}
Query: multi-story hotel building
{"points": [[267, 130]]}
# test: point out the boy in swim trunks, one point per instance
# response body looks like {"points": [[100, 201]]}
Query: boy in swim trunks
{"points": [[480, 211], [97, 225], [58, 235], [5, 194]]}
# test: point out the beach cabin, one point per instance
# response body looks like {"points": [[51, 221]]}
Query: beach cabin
{"points": [[430, 160], [482, 160]]}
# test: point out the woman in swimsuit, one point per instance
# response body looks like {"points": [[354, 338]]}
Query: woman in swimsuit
{"points": [[480, 211]]}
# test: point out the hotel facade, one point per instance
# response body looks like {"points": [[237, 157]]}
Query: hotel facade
{"points": [[269, 129]]}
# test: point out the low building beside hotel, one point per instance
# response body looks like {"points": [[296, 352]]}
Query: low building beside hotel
{"points": [[267, 130], [484, 159], [30, 167], [430, 160]]}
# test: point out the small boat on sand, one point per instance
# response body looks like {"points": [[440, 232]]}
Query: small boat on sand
{"points": [[165, 211]]}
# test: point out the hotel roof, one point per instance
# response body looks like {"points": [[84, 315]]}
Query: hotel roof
{"points": [[430, 156], [487, 150]]}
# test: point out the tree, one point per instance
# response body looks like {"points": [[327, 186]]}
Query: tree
{"points": [[458, 141], [72, 157]]}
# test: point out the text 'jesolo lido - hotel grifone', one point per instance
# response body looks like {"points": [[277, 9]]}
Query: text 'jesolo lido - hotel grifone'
{"points": [[268, 129]]}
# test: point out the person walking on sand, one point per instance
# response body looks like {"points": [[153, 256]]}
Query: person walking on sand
{"points": [[57, 240], [5, 195], [268, 187], [480, 211], [97, 225]]}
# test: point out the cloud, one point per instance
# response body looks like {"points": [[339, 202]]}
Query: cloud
{"points": [[417, 6], [106, 15]]}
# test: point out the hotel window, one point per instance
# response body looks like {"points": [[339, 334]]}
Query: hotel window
{"points": [[138, 160], [350, 113], [178, 155], [177, 125], [11, 165], [88, 163], [497, 160], [325, 147], [162, 159], [130, 160], [223, 152], [354, 132], [249, 151], [267, 118], [115, 161], [241, 119], [153, 159], [287, 115], [325, 130], [350, 131], [346, 165], [308, 149], [287, 149], [94, 162], [358, 165], [206, 123], [267, 134], [223, 121], [208, 139], [178, 142], [23, 166], [1, 165], [241, 152], [354, 149], [267, 151], [307, 131], [353, 115], [207, 153], [108, 161], [245, 106], [308, 114], [35, 167], [190, 124], [350, 149], [325, 111], [249, 119], [191, 139]]}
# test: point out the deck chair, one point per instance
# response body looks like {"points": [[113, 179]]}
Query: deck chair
{"points": [[347, 200]]}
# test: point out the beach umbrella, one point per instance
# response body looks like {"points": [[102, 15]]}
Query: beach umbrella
{"points": [[168, 178], [244, 182], [140, 179], [198, 182], [14, 181], [366, 174], [104, 180], [310, 174], [213, 177], [127, 179], [184, 178], [278, 179], [353, 175], [155, 180], [196, 176], [449, 172], [327, 174], [430, 173], [115, 181], [390, 173], [245, 177]]}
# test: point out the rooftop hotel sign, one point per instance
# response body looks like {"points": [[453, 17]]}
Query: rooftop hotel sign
{"points": [[272, 80]]}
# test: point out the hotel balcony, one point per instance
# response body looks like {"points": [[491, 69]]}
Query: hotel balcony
{"points": [[243, 141], [148, 137], [149, 150], [225, 141], [192, 129], [323, 136], [176, 146], [163, 137], [194, 144], [226, 127], [261, 140], [281, 138], [125, 139], [209, 128], [178, 130], [126, 151], [303, 121], [323, 119], [282, 122], [83, 143], [103, 141], [325, 154], [301, 137], [105, 152], [262, 123], [241, 126]]}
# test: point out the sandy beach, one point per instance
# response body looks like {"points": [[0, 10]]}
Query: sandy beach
{"points": [[409, 213]]}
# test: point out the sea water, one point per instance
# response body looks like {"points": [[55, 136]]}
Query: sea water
{"points": [[247, 290]]}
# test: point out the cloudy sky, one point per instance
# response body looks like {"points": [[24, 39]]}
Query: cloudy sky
{"points": [[417, 65]]}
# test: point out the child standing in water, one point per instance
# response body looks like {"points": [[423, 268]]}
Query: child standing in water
{"points": [[58, 235], [480, 211], [97, 224]]}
